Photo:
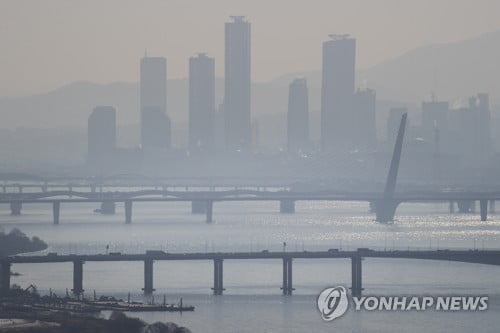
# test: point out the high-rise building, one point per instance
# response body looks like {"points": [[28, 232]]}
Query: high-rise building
{"points": [[482, 106], [201, 102], [298, 116], [237, 85], [101, 134], [364, 119], [219, 129], [155, 129], [155, 123], [435, 127], [336, 93]]}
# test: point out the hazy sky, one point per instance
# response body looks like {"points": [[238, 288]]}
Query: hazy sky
{"points": [[49, 43]]}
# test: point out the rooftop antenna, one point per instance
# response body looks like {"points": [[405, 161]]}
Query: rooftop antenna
{"points": [[237, 17], [338, 36]]}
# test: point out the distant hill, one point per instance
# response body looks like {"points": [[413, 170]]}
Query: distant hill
{"points": [[451, 70], [457, 70]]}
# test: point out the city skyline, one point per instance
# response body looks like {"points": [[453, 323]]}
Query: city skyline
{"points": [[349, 116], [178, 165]]}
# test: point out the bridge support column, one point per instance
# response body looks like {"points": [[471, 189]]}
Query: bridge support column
{"points": [[108, 208], [356, 276], [385, 210], [209, 211], [4, 278], [372, 207], [56, 207], [465, 206], [452, 207], [77, 277], [198, 207], [492, 207], [287, 277], [483, 206], [218, 277], [128, 211], [148, 276], [287, 206], [15, 207]]}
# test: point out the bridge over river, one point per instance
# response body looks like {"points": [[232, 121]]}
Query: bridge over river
{"points": [[490, 257], [384, 204]]}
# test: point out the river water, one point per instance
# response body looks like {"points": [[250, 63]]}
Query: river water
{"points": [[252, 301]]}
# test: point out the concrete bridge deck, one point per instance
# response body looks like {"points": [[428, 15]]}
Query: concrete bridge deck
{"points": [[203, 201], [490, 257]]}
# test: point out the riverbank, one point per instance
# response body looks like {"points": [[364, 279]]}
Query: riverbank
{"points": [[66, 322]]}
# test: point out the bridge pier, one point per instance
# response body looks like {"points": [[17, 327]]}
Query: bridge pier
{"points": [[15, 208], [465, 206], [452, 207], [483, 207], [209, 211], [218, 276], [492, 207], [385, 210], [148, 276], [128, 211], [356, 276], [4, 278], [77, 277], [372, 207], [287, 206], [198, 207], [287, 277], [108, 208], [56, 207]]}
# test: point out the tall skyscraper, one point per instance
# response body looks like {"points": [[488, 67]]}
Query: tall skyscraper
{"points": [[201, 103], [364, 119], [155, 123], [435, 124], [237, 85], [101, 135], [298, 116], [480, 104], [336, 93], [470, 132]]}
